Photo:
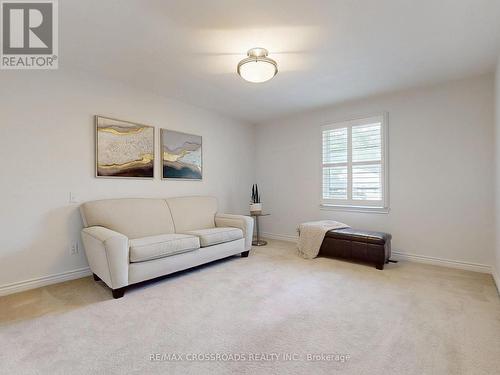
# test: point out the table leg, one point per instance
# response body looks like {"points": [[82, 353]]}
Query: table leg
{"points": [[258, 241]]}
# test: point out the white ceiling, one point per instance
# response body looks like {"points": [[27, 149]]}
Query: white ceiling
{"points": [[328, 51]]}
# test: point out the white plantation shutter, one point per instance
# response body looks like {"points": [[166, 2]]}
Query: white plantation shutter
{"points": [[335, 163], [354, 163]]}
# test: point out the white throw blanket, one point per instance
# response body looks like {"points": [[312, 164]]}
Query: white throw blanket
{"points": [[311, 235]]}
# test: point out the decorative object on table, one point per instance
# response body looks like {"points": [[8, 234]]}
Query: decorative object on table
{"points": [[181, 155], [255, 205], [258, 241], [124, 149]]}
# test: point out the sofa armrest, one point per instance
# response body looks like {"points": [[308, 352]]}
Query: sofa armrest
{"points": [[245, 223], [108, 255]]}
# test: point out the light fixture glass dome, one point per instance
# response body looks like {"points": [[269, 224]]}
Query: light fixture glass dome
{"points": [[257, 67]]}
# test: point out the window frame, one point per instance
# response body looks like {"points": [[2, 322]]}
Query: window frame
{"points": [[381, 206]]}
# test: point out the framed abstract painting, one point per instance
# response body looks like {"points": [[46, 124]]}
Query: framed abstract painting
{"points": [[124, 149], [181, 155]]}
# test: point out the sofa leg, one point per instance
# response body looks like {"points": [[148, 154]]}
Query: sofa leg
{"points": [[96, 278], [380, 266], [245, 254], [118, 293]]}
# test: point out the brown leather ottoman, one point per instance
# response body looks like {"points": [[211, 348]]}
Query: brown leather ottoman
{"points": [[362, 245]]}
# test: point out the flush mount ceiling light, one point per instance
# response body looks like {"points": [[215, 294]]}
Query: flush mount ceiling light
{"points": [[257, 67]]}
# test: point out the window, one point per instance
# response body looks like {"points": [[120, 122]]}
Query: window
{"points": [[354, 164]]}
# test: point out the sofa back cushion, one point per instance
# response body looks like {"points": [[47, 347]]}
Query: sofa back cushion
{"points": [[133, 217], [191, 213]]}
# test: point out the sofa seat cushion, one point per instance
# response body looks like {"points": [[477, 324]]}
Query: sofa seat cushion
{"points": [[214, 236], [164, 245]]}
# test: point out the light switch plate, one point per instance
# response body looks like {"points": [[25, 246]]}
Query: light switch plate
{"points": [[73, 198], [74, 248]]}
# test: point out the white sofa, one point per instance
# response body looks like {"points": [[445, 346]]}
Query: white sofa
{"points": [[131, 240]]}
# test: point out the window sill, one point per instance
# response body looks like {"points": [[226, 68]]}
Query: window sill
{"points": [[366, 209]]}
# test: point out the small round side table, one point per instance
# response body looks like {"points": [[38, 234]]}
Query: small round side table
{"points": [[258, 241]]}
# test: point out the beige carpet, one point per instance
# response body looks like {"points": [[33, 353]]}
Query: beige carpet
{"points": [[275, 310]]}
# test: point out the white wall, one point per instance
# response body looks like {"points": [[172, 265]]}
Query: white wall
{"points": [[441, 170], [47, 151], [497, 185]]}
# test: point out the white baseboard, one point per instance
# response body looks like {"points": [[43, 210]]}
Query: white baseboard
{"points": [[397, 255], [43, 281], [467, 266], [281, 237]]}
